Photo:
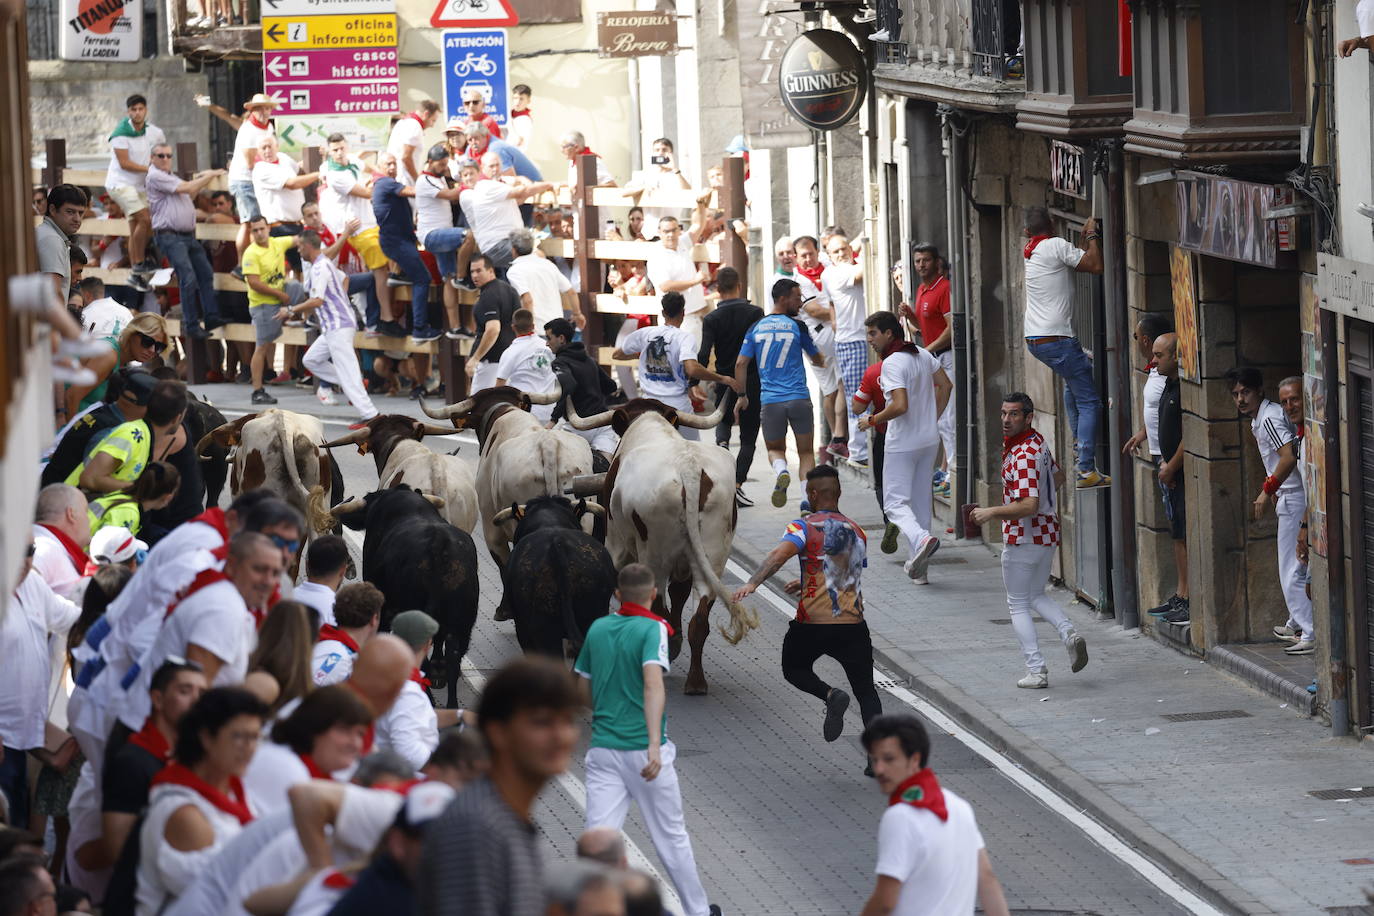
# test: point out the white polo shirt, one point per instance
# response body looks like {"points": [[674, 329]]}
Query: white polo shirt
{"points": [[846, 293], [492, 213], [915, 372], [278, 203], [407, 132], [1050, 288], [1272, 432], [248, 138], [1154, 390], [337, 204], [936, 861]]}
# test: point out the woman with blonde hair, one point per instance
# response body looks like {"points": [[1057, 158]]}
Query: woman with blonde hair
{"points": [[141, 341], [285, 643]]}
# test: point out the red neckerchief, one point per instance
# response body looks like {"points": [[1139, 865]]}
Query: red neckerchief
{"points": [[338, 880], [634, 610], [1299, 430], [261, 125], [418, 119], [587, 151], [813, 274], [315, 771], [74, 551], [204, 579], [1152, 364], [526, 334], [215, 519], [519, 112], [1031, 245], [419, 678], [402, 788], [477, 153], [1010, 442], [235, 803], [334, 633], [152, 740], [921, 790], [899, 345]]}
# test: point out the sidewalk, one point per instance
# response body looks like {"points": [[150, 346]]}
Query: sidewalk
{"points": [[1219, 798]]}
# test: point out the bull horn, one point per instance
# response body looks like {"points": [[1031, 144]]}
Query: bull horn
{"points": [[431, 430], [593, 422], [352, 504], [435, 501], [209, 439], [698, 421], [505, 515], [449, 412], [546, 397], [595, 509], [356, 436]]}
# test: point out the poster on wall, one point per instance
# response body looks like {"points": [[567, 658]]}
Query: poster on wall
{"points": [[1314, 389], [763, 33], [101, 30], [1183, 281], [1225, 218]]}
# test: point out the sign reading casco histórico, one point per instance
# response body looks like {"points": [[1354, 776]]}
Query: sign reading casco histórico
{"points": [[823, 79], [636, 33]]}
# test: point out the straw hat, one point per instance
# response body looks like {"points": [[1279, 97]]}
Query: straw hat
{"points": [[258, 99]]}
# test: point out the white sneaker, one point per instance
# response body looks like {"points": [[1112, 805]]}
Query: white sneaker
{"points": [[918, 565], [326, 397], [1035, 680], [920, 580], [1301, 647], [1078, 651], [1287, 632]]}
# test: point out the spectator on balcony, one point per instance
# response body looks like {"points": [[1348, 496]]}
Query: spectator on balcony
{"points": [[435, 196], [662, 174], [396, 227], [475, 111], [1364, 20], [843, 281], [574, 146], [131, 146], [264, 270], [54, 236], [280, 187], [520, 127], [492, 208], [174, 230], [345, 196], [542, 287], [1051, 264], [408, 139]]}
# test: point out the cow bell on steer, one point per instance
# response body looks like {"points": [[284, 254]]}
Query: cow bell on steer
{"points": [[585, 485]]}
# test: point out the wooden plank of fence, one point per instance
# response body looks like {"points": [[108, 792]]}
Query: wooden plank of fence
{"points": [[611, 250], [664, 199], [95, 178], [299, 337], [208, 232]]}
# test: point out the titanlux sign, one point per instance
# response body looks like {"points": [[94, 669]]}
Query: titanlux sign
{"points": [[823, 79], [636, 34]]}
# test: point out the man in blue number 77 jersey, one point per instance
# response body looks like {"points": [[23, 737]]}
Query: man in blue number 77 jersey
{"points": [[777, 342]]}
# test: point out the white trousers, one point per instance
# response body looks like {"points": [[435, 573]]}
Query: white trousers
{"points": [[483, 377], [946, 423], [331, 358], [906, 492], [1291, 510], [613, 780], [602, 439], [625, 375], [1026, 573]]}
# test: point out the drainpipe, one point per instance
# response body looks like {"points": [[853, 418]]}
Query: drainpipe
{"points": [[1111, 188], [1339, 704], [956, 215]]}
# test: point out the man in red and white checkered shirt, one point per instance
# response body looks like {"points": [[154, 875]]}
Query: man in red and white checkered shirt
{"points": [[1030, 535]]}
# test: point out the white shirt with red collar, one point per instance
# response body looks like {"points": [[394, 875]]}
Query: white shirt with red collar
{"points": [[35, 613], [527, 364], [53, 561], [411, 726]]}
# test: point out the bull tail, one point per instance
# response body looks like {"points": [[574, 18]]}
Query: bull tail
{"points": [[742, 619], [317, 511], [548, 457], [559, 563]]}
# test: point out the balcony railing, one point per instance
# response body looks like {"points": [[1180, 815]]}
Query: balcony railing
{"points": [[956, 51]]}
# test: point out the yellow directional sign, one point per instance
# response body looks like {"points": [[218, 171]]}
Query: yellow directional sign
{"points": [[355, 31]]}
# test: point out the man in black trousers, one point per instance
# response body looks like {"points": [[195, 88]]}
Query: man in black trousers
{"points": [[723, 329]]}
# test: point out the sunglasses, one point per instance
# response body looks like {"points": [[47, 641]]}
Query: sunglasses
{"points": [[152, 343], [473, 102], [283, 544], [162, 155]]}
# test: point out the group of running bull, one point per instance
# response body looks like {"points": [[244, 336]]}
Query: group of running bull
{"points": [[663, 501]]}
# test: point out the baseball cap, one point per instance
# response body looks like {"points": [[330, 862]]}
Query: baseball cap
{"points": [[414, 627], [115, 544], [423, 803], [438, 151], [105, 318], [458, 125], [135, 383]]}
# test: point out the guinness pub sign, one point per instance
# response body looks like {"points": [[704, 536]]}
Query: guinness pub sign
{"points": [[823, 79], [636, 33]]}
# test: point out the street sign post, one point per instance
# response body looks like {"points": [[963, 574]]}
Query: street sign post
{"points": [[331, 57], [477, 58]]}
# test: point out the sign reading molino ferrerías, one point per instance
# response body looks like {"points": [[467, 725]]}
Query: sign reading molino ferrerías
{"points": [[823, 79], [636, 33]]}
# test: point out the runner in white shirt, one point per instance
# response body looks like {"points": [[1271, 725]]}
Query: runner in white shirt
{"points": [[527, 364], [331, 358], [668, 360], [542, 287], [843, 281], [670, 267], [917, 390], [931, 857], [407, 140], [279, 184]]}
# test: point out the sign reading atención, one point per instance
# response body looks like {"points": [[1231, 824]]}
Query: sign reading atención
{"points": [[823, 79], [636, 34]]}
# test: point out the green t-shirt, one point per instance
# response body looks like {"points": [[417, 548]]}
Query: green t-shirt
{"points": [[269, 264], [613, 659], [130, 443]]}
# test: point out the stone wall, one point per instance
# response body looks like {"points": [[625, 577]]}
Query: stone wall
{"points": [[82, 101]]}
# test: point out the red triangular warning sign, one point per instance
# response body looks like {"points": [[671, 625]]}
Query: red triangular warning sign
{"points": [[473, 14]]}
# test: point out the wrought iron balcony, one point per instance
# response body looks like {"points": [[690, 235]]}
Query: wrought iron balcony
{"points": [[957, 52]]}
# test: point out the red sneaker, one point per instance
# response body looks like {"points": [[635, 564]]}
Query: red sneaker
{"points": [[214, 377], [283, 379]]}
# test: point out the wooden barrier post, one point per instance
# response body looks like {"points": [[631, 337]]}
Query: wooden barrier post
{"points": [[453, 369], [733, 251], [588, 268], [55, 162], [197, 351]]}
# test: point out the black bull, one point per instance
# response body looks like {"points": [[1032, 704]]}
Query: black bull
{"points": [[559, 579], [420, 562]]}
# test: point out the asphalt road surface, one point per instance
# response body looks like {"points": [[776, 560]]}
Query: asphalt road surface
{"points": [[781, 821]]}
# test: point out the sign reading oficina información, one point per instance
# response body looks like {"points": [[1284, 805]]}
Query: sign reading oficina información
{"points": [[823, 79]]}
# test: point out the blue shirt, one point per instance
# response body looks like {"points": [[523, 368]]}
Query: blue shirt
{"points": [[394, 218], [776, 343], [513, 158]]}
